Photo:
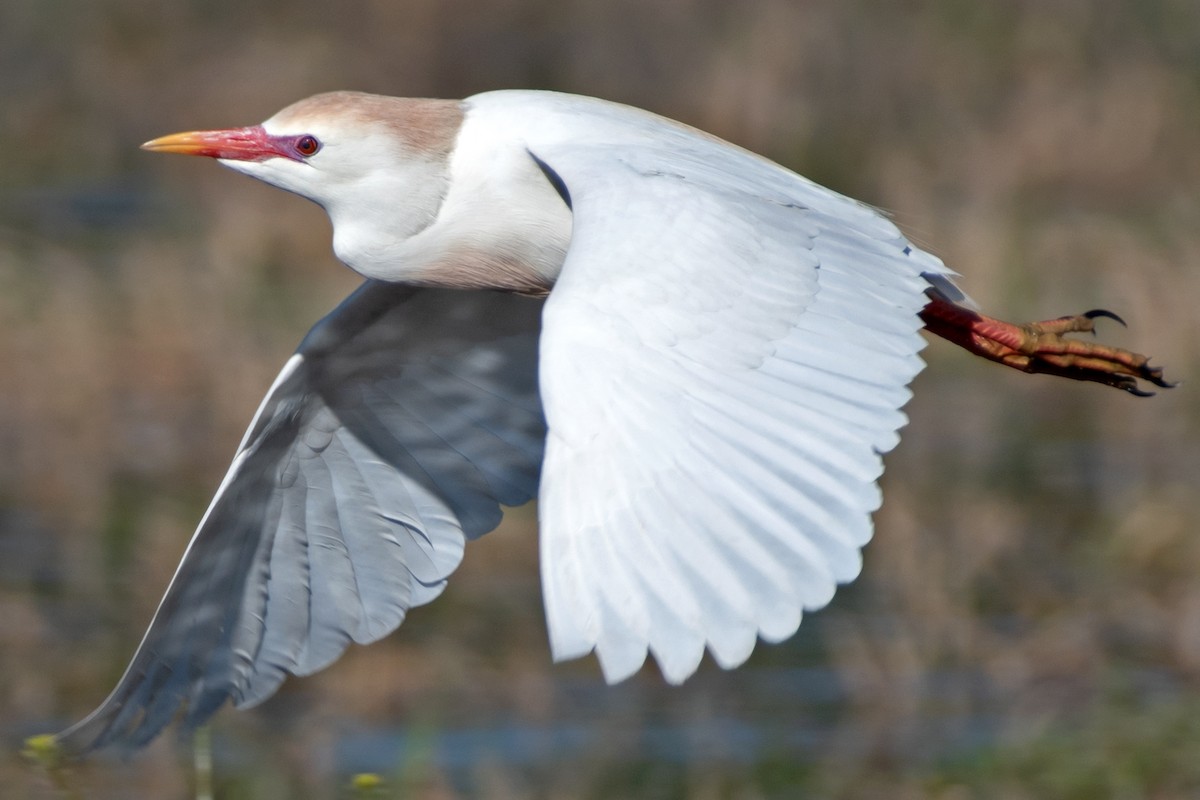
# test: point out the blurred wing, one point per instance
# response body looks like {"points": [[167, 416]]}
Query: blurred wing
{"points": [[724, 359], [403, 420]]}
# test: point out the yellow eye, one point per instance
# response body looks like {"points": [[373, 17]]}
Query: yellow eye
{"points": [[307, 145]]}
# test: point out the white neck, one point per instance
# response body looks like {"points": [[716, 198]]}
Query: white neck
{"points": [[373, 223], [488, 219]]}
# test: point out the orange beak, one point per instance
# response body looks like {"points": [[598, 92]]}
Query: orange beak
{"points": [[237, 144]]}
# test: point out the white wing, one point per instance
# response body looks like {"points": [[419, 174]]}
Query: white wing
{"points": [[404, 419], [723, 361]]}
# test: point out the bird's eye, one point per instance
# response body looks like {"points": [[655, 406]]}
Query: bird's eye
{"points": [[307, 145]]}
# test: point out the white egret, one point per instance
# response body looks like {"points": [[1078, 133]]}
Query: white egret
{"points": [[693, 357]]}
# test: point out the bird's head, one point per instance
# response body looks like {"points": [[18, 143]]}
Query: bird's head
{"points": [[411, 195], [347, 151]]}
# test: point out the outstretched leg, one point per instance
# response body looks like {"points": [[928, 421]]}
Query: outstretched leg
{"points": [[1042, 346]]}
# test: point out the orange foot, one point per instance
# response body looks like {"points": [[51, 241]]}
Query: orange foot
{"points": [[1043, 347]]}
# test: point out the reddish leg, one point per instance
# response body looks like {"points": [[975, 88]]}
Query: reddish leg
{"points": [[1043, 347]]}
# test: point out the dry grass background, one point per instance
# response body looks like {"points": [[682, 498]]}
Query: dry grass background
{"points": [[1028, 621]]}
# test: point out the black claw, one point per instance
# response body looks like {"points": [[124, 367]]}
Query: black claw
{"points": [[1155, 376], [1103, 312], [1133, 389], [1126, 383]]}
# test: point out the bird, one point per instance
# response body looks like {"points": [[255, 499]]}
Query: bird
{"points": [[691, 356]]}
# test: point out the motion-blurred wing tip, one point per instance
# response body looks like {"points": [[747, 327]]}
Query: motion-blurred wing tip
{"points": [[621, 665]]}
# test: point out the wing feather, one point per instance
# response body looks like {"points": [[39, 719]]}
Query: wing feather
{"points": [[725, 356], [404, 420]]}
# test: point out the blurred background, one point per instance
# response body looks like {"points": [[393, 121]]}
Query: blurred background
{"points": [[1028, 621]]}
